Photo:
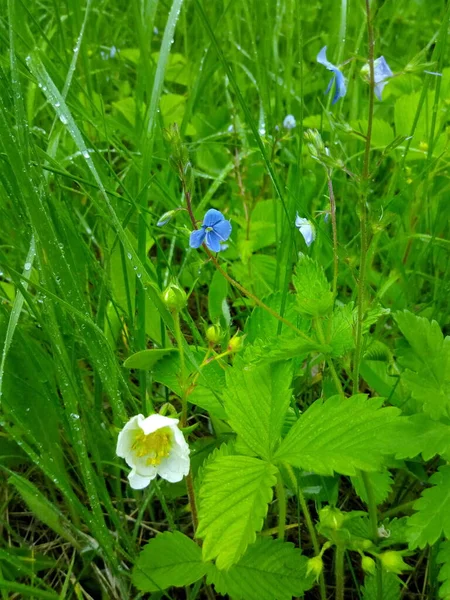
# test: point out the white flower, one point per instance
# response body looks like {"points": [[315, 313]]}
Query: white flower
{"points": [[289, 122], [153, 446], [306, 228]]}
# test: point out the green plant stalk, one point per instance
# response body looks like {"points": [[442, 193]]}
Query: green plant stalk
{"points": [[281, 495], [334, 230], [334, 375], [339, 571], [309, 525], [363, 208], [183, 382], [373, 516]]}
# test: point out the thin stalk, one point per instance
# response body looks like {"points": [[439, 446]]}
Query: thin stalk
{"points": [[334, 229], [334, 375], [281, 496], [179, 339], [339, 571], [192, 502], [309, 525], [363, 205], [373, 516]]}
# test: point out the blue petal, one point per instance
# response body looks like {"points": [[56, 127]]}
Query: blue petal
{"points": [[213, 241], [322, 59], [196, 238], [338, 78], [212, 217], [381, 73], [341, 86], [223, 230]]}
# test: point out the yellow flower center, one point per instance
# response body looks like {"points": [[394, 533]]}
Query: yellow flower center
{"points": [[155, 446]]}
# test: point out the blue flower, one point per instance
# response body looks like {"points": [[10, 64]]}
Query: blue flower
{"points": [[338, 78], [306, 228], [382, 72], [289, 122], [215, 229]]}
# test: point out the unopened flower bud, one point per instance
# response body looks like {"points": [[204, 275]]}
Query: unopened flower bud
{"points": [[174, 297], [214, 334], [314, 566], [393, 562], [315, 143], [331, 517], [368, 565], [236, 343], [165, 218]]}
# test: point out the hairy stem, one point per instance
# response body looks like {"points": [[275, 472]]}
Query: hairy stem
{"points": [[363, 206], [334, 229], [373, 516], [183, 382], [281, 495], [334, 375], [339, 572]]}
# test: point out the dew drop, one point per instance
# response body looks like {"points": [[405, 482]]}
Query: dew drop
{"points": [[27, 266], [63, 119]]}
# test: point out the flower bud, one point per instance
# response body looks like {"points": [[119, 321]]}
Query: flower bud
{"points": [[214, 334], [314, 566], [236, 343], [315, 143], [368, 565], [165, 218], [331, 517], [393, 562], [174, 297]]}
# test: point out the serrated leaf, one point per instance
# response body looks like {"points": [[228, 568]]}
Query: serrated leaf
{"points": [[256, 401], [169, 559], [234, 498], [147, 359], [443, 558], [314, 296], [429, 380], [341, 330], [281, 348], [381, 484], [217, 296], [433, 515], [269, 569], [343, 435], [391, 586], [426, 437]]}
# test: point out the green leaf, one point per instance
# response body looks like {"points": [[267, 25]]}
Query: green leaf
{"points": [[217, 299], [429, 378], [341, 330], [342, 435], [314, 296], [426, 437], [256, 401], [390, 585], [169, 559], [433, 515], [146, 359], [234, 498], [381, 485], [269, 569], [281, 348], [443, 558]]}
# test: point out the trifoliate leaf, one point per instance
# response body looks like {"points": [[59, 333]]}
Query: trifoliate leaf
{"points": [[343, 435], [381, 484], [256, 401], [429, 379], [314, 296], [426, 437], [269, 569], [234, 497], [390, 587], [169, 559], [433, 515], [443, 558]]}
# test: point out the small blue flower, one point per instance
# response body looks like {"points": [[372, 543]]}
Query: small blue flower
{"points": [[338, 78], [214, 229], [306, 228], [289, 122], [381, 72]]}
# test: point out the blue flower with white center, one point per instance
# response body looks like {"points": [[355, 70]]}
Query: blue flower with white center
{"points": [[382, 73], [306, 228], [214, 229], [289, 122], [338, 78]]}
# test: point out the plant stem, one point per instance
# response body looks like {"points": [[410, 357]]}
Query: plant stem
{"points": [[373, 516], [339, 571], [363, 206], [333, 371], [309, 525], [281, 495], [334, 229], [179, 338]]}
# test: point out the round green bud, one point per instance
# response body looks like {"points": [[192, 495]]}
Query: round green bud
{"points": [[174, 297], [314, 566], [393, 562], [368, 565], [331, 517], [214, 334], [236, 343]]}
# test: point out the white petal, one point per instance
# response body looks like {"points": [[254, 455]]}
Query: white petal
{"points": [[126, 436], [174, 468], [300, 221], [137, 482], [155, 422]]}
